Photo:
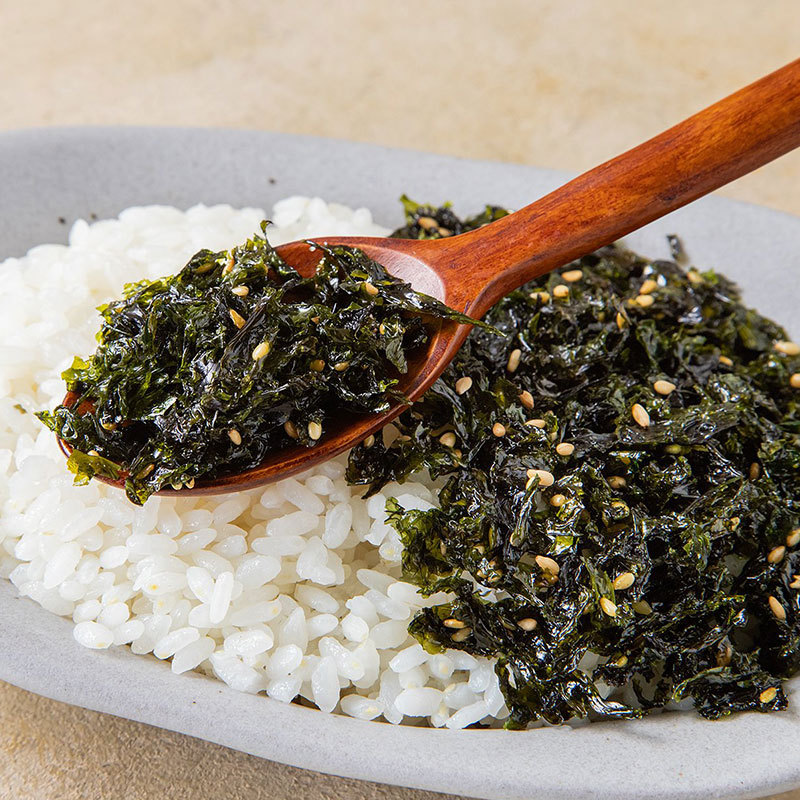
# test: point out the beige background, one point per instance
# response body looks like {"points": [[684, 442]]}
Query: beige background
{"points": [[561, 83]]}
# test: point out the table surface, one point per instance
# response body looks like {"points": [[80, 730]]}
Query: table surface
{"points": [[548, 83]]}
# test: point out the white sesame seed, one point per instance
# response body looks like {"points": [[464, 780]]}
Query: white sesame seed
{"points": [[608, 607], [755, 471], [648, 286], [241, 291], [558, 500], [776, 554], [235, 436], [642, 607], [527, 624], [291, 429], [795, 584], [644, 301], [545, 478], [260, 351], [777, 609], [370, 289], [561, 291], [456, 624], [621, 320], [565, 449], [793, 537], [513, 360], [237, 318], [617, 482], [787, 348], [341, 366], [427, 223], [544, 297], [462, 635], [463, 384], [526, 398], [369, 441], [448, 439], [536, 423], [498, 429], [228, 266], [664, 387], [317, 365], [694, 276], [768, 695], [794, 381], [640, 415], [314, 430], [624, 581], [572, 275], [444, 231], [547, 564], [190, 483], [728, 362]]}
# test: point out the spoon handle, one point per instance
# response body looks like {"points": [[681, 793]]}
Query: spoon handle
{"points": [[715, 146]]}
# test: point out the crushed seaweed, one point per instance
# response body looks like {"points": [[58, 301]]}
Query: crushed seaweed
{"points": [[236, 356], [662, 559]]}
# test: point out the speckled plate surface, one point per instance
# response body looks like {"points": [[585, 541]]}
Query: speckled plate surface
{"points": [[49, 178]]}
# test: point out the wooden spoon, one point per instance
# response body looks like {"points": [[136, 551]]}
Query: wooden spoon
{"points": [[473, 271]]}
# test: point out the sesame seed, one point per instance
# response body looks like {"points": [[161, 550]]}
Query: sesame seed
{"points": [[463, 384], [526, 398], [624, 581], [558, 500], [109, 426], [793, 537], [664, 387], [237, 318], [427, 223], [93, 453], [794, 381], [370, 288], [228, 266], [561, 291], [536, 423], [448, 439], [381, 329], [291, 429], [369, 441], [452, 622], [795, 584], [547, 564], [444, 231], [498, 429], [527, 624], [608, 607], [694, 276], [315, 320], [787, 348], [621, 321], [728, 362], [648, 286], [755, 471], [617, 482], [235, 436], [776, 554], [768, 695], [177, 486], [317, 365], [724, 656], [777, 609], [241, 291], [642, 607], [644, 301], [621, 661], [545, 478], [341, 366], [513, 360], [640, 415], [314, 430], [462, 635], [572, 275], [544, 297], [190, 483], [565, 449], [260, 351]]}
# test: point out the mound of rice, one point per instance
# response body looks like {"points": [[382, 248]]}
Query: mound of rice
{"points": [[291, 590]]}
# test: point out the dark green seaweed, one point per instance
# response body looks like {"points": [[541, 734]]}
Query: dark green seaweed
{"points": [[177, 391], [692, 510]]}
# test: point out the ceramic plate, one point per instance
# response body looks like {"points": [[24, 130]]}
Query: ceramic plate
{"points": [[49, 178]]}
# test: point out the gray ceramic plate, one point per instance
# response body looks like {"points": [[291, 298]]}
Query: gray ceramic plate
{"points": [[49, 178]]}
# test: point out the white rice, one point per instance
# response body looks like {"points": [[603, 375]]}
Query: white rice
{"points": [[289, 590]]}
